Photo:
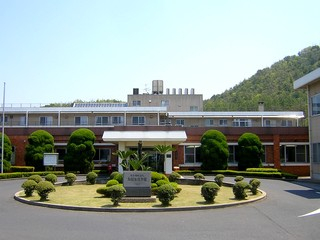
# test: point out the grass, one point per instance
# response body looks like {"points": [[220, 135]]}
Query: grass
{"points": [[85, 195]]}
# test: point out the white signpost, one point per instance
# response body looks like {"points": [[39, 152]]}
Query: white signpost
{"points": [[50, 159]]}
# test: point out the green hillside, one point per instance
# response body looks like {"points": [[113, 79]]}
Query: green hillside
{"points": [[273, 86]]}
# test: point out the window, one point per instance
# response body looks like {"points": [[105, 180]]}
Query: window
{"points": [[102, 156], [82, 120], [223, 122], [191, 154], [315, 104], [102, 120], [45, 121], [180, 122], [286, 123], [117, 120], [136, 103], [5, 119], [164, 103], [193, 108], [23, 121], [138, 120], [316, 152], [209, 122], [242, 123], [232, 154], [294, 153]]}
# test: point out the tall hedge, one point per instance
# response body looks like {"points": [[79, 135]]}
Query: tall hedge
{"points": [[250, 151], [80, 151], [39, 142], [214, 151], [7, 153]]}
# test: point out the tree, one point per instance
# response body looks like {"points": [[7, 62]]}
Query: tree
{"points": [[7, 153], [124, 155], [163, 150], [80, 151], [250, 151], [39, 142], [214, 151]]}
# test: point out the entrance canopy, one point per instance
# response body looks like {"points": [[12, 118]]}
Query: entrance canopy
{"points": [[172, 137]]}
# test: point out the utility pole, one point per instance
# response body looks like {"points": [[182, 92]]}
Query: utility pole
{"points": [[2, 135]]}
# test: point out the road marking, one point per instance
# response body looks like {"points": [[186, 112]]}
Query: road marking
{"points": [[311, 213]]}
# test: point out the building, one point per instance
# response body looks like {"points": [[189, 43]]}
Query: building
{"points": [[173, 118], [311, 82]]}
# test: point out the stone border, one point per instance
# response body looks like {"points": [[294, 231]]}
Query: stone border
{"points": [[155, 209]]}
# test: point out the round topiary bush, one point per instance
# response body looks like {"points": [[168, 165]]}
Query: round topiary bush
{"points": [[166, 194], [113, 174], [103, 191], [162, 182], [155, 176], [173, 177], [198, 176], [71, 178], [154, 188], [209, 191], [255, 184], [43, 189], [29, 186], [112, 182], [176, 187], [238, 178], [117, 192], [239, 189], [51, 178], [91, 177], [118, 177], [219, 179], [37, 178]]}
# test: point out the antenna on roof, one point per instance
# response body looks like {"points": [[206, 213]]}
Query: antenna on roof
{"points": [[146, 89]]}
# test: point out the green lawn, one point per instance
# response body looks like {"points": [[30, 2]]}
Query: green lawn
{"points": [[85, 195]]}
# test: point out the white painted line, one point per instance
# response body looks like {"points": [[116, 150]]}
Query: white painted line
{"points": [[311, 213]]}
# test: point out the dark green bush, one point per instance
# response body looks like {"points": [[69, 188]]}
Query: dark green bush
{"points": [[176, 187], [166, 194], [117, 192], [43, 189], [51, 178], [154, 188], [209, 191], [173, 177], [239, 189], [29, 186], [6, 166], [198, 176], [37, 178], [71, 178], [255, 184], [112, 182], [238, 178], [219, 179], [91, 177], [22, 169]]}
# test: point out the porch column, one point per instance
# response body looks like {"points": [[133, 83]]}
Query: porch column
{"points": [[276, 150], [121, 147], [168, 163]]}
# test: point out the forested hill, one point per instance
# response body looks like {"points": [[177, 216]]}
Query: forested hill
{"points": [[273, 86]]}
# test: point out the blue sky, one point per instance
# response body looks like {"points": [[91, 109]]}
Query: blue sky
{"points": [[57, 51]]}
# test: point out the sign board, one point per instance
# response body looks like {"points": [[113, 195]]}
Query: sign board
{"points": [[50, 159], [137, 183]]}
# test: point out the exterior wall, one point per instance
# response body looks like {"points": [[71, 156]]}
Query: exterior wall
{"points": [[177, 102]]}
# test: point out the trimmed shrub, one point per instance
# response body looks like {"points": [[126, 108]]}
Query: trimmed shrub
{"points": [[29, 186], [155, 176], [22, 169], [91, 177], [71, 178], [176, 187], [51, 178], [118, 177], [112, 182], [154, 188], [43, 189], [113, 174], [173, 177], [262, 170], [162, 182], [255, 184], [219, 179], [116, 192], [103, 191], [166, 194], [209, 191], [239, 189], [198, 176], [238, 178], [37, 178], [6, 166]]}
